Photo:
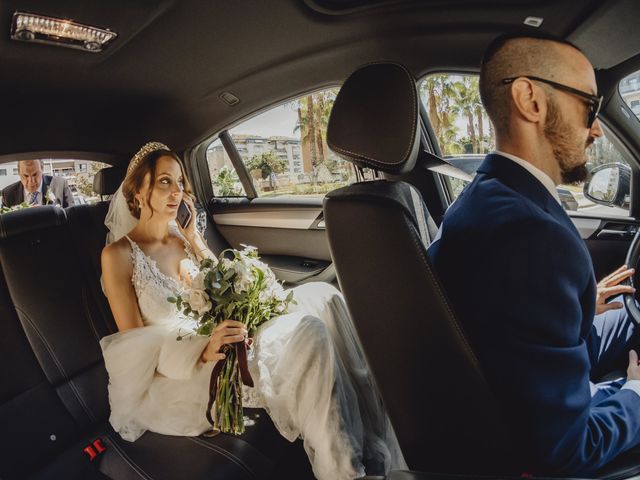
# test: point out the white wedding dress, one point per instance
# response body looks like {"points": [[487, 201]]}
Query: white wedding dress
{"points": [[307, 367]]}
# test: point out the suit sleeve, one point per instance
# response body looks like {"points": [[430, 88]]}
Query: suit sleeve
{"points": [[9, 195], [542, 301]]}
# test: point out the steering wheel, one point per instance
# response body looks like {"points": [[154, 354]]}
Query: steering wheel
{"points": [[633, 255]]}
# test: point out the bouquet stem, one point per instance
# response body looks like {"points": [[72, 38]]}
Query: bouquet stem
{"points": [[228, 406]]}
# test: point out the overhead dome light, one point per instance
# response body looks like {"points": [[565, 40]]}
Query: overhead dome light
{"points": [[533, 21], [27, 27]]}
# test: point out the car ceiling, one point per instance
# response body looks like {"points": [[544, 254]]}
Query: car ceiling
{"points": [[162, 77]]}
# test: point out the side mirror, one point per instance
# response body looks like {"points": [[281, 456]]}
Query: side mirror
{"points": [[609, 185]]}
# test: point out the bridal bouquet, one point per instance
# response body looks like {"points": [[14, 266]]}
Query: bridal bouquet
{"points": [[20, 206], [239, 287]]}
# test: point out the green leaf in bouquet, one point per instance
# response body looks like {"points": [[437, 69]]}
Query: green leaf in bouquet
{"points": [[218, 299], [172, 299], [206, 263], [228, 275]]}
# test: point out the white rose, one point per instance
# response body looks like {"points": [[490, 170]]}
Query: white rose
{"points": [[265, 296], [199, 301], [226, 263], [244, 277], [51, 198], [198, 281]]}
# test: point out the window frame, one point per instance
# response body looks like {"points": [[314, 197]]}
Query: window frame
{"points": [[198, 152]]}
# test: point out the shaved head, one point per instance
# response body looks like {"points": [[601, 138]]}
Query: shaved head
{"points": [[511, 56]]}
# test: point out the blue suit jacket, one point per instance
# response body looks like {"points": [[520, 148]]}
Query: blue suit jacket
{"points": [[521, 282]]}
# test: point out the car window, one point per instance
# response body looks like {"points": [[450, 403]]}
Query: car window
{"points": [[460, 123], [224, 178], [629, 89], [602, 152], [78, 175], [464, 133], [285, 151]]}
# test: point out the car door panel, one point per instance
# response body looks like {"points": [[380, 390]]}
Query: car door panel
{"points": [[289, 235], [607, 240]]}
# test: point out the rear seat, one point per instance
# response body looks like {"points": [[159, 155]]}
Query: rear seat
{"points": [[54, 385]]}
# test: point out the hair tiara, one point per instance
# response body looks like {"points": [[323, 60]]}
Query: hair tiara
{"points": [[146, 149]]}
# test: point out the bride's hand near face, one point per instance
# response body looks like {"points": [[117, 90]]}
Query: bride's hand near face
{"points": [[229, 331], [198, 244], [190, 232]]}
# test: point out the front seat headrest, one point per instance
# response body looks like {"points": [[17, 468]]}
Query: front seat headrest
{"points": [[374, 120], [108, 179]]}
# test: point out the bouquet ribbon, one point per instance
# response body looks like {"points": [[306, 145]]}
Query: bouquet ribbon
{"points": [[241, 350]]}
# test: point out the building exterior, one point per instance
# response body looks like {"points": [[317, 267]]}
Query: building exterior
{"points": [[249, 145]]}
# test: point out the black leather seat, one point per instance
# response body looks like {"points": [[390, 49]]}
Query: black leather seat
{"points": [[53, 399], [439, 403]]}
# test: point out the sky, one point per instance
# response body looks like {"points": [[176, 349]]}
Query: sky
{"points": [[277, 121]]}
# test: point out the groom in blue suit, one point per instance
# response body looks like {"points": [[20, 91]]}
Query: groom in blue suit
{"points": [[520, 277]]}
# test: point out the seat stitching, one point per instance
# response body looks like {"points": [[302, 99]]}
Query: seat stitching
{"points": [[58, 364], [455, 324], [85, 304], [225, 453], [44, 341], [128, 460], [414, 102], [81, 401]]}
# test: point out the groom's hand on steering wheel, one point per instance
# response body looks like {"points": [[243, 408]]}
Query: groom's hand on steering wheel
{"points": [[610, 286], [229, 331], [633, 372]]}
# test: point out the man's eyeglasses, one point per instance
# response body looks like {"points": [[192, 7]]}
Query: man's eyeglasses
{"points": [[594, 101]]}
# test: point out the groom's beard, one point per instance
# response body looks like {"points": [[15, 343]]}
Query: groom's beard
{"points": [[568, 150]]}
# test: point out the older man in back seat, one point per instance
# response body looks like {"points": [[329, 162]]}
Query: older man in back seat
{"points": [[35, 188]]}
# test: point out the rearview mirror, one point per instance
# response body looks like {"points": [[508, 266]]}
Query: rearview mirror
{"points": [[609, 185]]}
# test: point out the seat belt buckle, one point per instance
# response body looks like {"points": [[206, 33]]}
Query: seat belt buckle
{"points": [[94, 449]]}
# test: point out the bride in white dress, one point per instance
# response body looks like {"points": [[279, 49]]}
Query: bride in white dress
{"points": [[308, 370]]}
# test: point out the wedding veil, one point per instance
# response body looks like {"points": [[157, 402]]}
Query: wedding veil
{"points": [[119, 219]]}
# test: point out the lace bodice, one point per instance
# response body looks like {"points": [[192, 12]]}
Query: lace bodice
{"points": [[153, 287]]}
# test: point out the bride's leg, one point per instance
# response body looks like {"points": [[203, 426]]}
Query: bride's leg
{"points": [[307, 393], [381, 450]]}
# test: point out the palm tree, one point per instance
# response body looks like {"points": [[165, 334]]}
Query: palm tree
{"points": [[466, 100], [313, 118], [439, 90]]}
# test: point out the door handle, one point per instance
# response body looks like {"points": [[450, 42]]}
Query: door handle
{"points": [[620, 234]]}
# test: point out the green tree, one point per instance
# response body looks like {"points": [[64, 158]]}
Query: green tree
{"points": [[266, 162], [84, 181], [313, 117], [466, 102], [439, 92], [225, 183]]}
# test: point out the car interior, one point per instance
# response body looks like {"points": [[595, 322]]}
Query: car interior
{"points": [[188, 73]]}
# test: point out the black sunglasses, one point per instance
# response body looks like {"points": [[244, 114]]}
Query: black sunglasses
{"points": [[594, 101]]}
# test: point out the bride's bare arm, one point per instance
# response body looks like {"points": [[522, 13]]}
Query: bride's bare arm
{"points": [[116, 277]]}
